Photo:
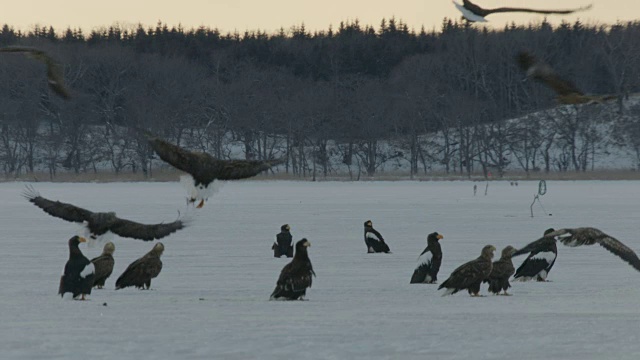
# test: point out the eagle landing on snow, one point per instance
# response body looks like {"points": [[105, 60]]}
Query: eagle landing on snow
{"points": [[204, 169]]}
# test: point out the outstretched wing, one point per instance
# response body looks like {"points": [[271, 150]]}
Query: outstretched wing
{"points": [[621, 250], [535, 246], [178, 157], [54, 71], [542, 72], [238, 169], [590, 236], [131, 229], [538, 11], [56, 208]]}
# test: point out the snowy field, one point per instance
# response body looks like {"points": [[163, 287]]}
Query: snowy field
{"points": [[211, 299]]}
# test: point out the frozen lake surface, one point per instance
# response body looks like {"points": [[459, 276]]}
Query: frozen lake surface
{"points": [[211, 299]]}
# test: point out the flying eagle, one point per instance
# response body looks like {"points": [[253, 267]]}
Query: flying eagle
{"points": [[566, 91], [104, 265], [54, 72], [542, 256], [589, 236], [471, 274], [429, 262], [374, 240], [98, 224], [77, 276], [296, 276], [501, 272], [140, 272], [203, 168], [475, 13]]}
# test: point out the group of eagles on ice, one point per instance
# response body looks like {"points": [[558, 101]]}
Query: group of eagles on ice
{"points": [[81, 274]]}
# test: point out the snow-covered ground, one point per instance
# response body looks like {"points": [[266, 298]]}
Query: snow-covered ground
{"points": [[211, 299]]}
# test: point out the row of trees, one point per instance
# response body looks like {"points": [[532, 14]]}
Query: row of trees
{"points": [[352, 99]]}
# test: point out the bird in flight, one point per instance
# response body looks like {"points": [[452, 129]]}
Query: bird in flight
{"points": [[54, 72], [475, 13]]}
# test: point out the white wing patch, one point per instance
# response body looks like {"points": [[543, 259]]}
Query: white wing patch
{"points": [[468, 14], [425, 259], [88, 270], [547, 256], [372, 236]]}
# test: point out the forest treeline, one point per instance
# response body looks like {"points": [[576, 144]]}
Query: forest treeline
{"points": [[354, 96]]}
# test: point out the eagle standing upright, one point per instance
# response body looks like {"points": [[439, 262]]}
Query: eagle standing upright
{"points": [[140, 272], [282, 245], [429, 262], [470, 275], [78, 273], [501, 272], [296, 276], [103, 265]]}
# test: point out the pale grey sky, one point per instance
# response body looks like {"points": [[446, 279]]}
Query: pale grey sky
{"points": [[270, 15]]}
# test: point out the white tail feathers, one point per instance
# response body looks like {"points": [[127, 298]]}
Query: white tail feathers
{"points": [[448, 292]]}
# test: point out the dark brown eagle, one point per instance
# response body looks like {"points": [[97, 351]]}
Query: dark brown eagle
{"points": [[140, 272], [566, 91], [77, 277], [104, 265], [473, 12], [589, 236], [98, 224], [501, 272], [296, 276], [204, 168], [54, 72], [471, 274]]}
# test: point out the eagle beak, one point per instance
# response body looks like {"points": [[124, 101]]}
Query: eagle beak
{"points": [[201, 204], [440, 236], [81, 239], [307, 244]]}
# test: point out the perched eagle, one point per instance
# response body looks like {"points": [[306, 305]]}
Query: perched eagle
{"points": [[54, 72], [475, 13], [566, 91], [542, 255], [98, 224], [374, 240], [104, 265], [589, 236], [140, 272], [282, 245], [296, 276], [78, 274], [471, 274], [203, 168], [501, 272], [429, 262]]}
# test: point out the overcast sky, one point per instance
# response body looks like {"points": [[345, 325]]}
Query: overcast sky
{"points": [[270, 15]]}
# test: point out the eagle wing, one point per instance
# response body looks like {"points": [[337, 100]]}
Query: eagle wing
{"points": [[238, 169], [545, 74], [502, 269], [468, 274], [537, 11], [132, 229], [178, 157], [55, 75], [58, 209], [535, 246], [590, 236], [140, 271], [103, 266]]}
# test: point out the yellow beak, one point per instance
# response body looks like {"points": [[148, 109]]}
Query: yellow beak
{"points": [[81, 239]]}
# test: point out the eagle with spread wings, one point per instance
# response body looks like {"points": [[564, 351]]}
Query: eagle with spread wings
{"points": [[475, 13], [204, 169], [98, 224]]}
